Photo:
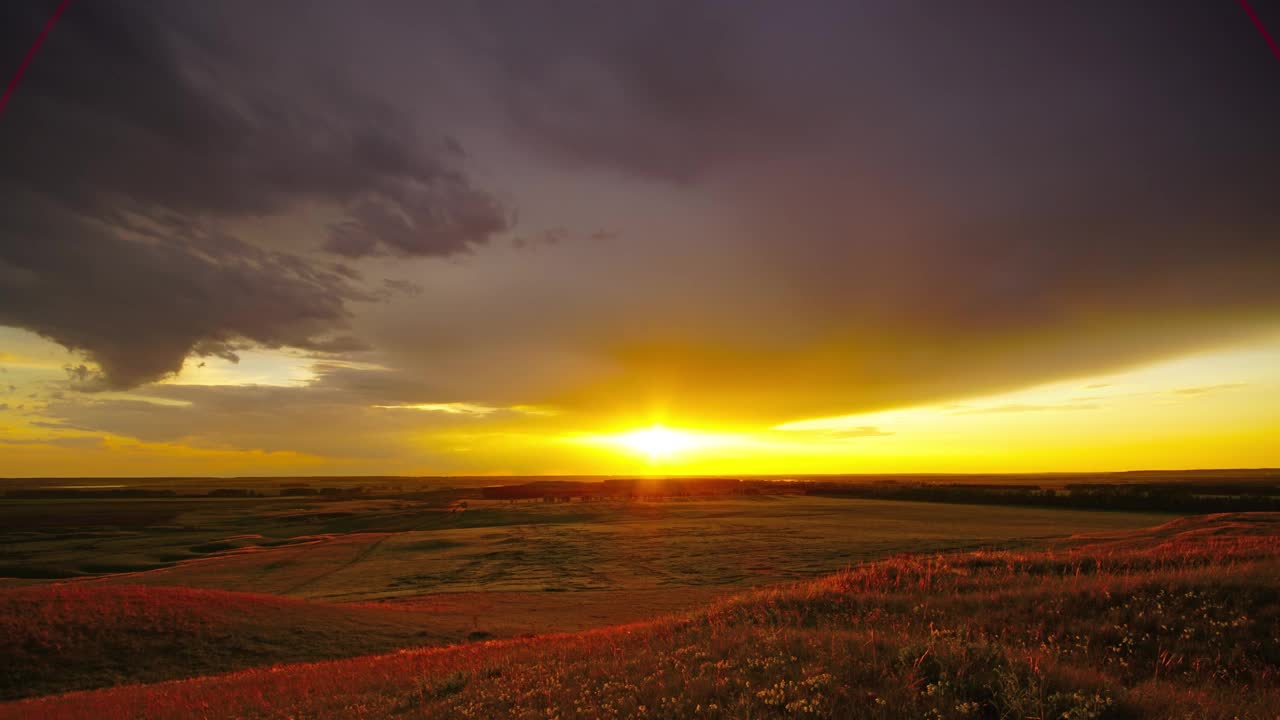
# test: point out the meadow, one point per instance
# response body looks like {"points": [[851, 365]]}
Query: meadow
{"points": [[1180, 620], [367, 548], [100, 591]]}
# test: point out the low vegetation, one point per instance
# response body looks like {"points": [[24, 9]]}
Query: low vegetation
{"points": [[345, 550], [1240, 491], [72, 636], [1180, 621]]}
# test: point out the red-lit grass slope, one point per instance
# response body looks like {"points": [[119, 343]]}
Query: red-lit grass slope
{"points": [[71, 636], [1181, 621]]}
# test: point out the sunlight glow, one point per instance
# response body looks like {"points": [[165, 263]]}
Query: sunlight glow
{"points": [[657, 442]]}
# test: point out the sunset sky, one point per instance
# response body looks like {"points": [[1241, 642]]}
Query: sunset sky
{"points": [[248, 238]]}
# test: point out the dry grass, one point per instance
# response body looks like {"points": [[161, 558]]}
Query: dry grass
{"points": [[347, 551], [1183, 621], [71, 636]]}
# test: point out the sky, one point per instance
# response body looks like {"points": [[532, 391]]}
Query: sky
{"points": [[393, 237]]}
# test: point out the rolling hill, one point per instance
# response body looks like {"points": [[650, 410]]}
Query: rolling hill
{"points": [[1179, 621]]}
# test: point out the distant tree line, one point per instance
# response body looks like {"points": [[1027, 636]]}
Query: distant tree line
{"points": [[1182, 497], [624, 488], [96, 493], [135, 493], [1196, 494], [301, 490]]}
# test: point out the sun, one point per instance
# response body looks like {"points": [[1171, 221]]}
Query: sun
{"points": [[656, 442]]}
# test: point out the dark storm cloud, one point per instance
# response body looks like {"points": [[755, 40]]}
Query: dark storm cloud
{"points": [[142, 130], [663, 89], [998, 95], [137, 102], [821, 207], [929, 199], [139, 308]]}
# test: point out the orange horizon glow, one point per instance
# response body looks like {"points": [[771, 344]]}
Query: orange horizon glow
{"points": [[1209, 410]]}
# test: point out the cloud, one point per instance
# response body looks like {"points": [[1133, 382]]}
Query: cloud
{"points": [[1026, 407], [342, 412], [140, 142], [820, 209], [167, 110], [852, 433], [454, 408], [594, 85], [892, 205], [138, 308], [77, 442], [1206, 389], [439, 218]]}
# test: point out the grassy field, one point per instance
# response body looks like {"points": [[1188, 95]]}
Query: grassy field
{"points": [[364, 549], [107, 591], [1182, 620], [65, 637]]}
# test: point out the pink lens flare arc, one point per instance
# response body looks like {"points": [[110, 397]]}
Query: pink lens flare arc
{"points": [[1262, 29], [26, 60]]}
